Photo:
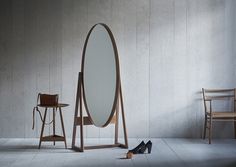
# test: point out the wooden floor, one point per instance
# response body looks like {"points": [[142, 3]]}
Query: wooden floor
{"points": [[165, 152]]}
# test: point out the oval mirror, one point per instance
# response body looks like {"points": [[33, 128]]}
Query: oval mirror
{"points": [[100, 69]]}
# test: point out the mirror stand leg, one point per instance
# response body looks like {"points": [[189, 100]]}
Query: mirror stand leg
{"points": [[74, 134], [78, 103], [117, 122], [123, 119], [81, 128]]}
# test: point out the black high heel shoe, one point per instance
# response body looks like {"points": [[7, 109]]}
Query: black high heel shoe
{"points": [[148, 146], [137, 149]]}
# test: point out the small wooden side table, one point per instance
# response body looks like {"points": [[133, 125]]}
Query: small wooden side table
{"points": [[53, 137]]}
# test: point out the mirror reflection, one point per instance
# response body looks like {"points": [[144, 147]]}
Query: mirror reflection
{"points": [[100, 75]]}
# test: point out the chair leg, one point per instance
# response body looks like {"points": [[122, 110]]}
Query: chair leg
{"points": [[42, 129], [205, 126], [210, 130], [234, 128]]}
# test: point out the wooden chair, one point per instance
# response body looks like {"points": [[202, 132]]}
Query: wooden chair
{"points": [[212, 114]]}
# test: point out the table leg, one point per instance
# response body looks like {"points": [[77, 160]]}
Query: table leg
{"points": [[62, 125], [54, 125], [42, 129]]}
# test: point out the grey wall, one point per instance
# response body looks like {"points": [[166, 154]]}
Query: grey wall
{"points": [[168, 51]]}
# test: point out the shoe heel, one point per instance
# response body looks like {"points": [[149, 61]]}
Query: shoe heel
{"points": [[149, 148]]}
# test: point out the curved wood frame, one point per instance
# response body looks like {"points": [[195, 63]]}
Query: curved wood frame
{"points": [[117, 72], [81, 100]]}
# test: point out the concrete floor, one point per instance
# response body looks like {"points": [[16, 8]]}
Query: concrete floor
{"points": [[165, 152]]}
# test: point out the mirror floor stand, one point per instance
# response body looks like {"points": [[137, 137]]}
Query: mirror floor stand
{"points": [[84, 120]]}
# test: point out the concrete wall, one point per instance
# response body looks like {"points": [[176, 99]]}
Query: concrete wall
{"points": [[168, 51]]}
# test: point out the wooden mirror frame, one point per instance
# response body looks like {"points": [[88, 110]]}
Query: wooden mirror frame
{"points": [[117, 72], [81, 101]]}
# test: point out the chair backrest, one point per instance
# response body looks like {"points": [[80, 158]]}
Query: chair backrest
{"points": [[218, 94], [47, 99]]}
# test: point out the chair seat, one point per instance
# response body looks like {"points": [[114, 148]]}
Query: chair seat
{"points": [[224, 114]]}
